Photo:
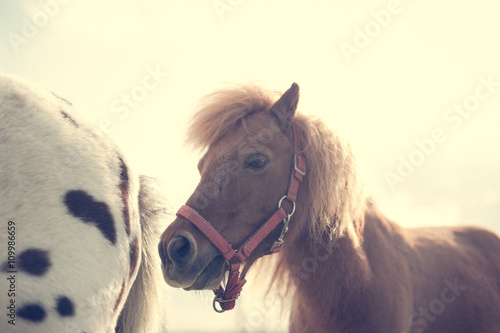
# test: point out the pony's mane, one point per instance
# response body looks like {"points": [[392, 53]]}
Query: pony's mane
{"points": [[335, 189], [332, 180], [220, 111]]}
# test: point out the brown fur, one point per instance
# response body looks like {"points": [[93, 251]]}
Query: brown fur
{"points": [[351, 269], [328, 157]]}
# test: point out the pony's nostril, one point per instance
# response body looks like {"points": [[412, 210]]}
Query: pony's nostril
{"points": [[180, 246], [180, 250]]}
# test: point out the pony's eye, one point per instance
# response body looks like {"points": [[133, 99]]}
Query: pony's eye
{"points": [[256, 162]]}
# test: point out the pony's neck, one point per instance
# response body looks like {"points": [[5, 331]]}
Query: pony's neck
{"points": [[330, 277]]}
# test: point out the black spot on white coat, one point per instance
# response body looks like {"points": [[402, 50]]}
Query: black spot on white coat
{"points": [[61, 98], [65, 307], [69, 118], [31, 312], [124, 188], [87, 209], [34, 261]]}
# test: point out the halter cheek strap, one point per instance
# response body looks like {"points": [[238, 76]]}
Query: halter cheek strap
{"points": [[227, 297]]}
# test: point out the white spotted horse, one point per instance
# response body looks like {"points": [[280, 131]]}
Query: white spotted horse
{"points": [[80, 228]]}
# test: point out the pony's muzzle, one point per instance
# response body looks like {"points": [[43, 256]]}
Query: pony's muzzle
{"points": [[186, 265]]}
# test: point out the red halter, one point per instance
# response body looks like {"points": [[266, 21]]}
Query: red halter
{"points": [[227, 298]]}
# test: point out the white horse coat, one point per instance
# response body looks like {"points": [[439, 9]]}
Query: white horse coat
{"points": [[79, 227]]}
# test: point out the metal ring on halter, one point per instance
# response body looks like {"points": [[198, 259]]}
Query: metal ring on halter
{"points": [[293, 206], [220, 300], [216, 300]]}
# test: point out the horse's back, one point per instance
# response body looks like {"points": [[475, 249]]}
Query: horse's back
{"points": [[432, 279], [70, 203], [476, 247], [485, 241], [457, 274]]}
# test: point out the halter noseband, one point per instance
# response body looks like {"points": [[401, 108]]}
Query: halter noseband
{"points": [[227, 298]]}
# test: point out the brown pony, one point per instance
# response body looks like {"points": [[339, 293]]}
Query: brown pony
{"points": [[350, 268]]}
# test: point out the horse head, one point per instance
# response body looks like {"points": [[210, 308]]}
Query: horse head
{"points": [[241, 207]]}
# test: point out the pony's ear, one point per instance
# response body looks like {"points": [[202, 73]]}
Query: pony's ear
{"points": [[284, 108]]}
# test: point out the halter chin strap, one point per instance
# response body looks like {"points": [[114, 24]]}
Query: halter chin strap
{"points": [[227, 297]]}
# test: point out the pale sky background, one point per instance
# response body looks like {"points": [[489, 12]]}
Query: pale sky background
{"points": [[385, 74]]}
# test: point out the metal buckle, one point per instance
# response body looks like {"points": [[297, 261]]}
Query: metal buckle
{"points": [[296, 164], [280, 240], [286, 220]]}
